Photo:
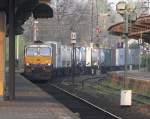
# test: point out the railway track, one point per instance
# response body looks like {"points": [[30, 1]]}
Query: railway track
{"points": [[79, 106]]}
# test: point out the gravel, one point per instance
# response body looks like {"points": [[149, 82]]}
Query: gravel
{"points": [[108, 102]]}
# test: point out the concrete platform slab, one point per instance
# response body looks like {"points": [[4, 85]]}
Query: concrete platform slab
{"points": [[33, 103], [135, 74]]}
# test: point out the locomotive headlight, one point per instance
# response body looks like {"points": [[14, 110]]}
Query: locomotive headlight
{"points": [[27, 64], [49, 64]]}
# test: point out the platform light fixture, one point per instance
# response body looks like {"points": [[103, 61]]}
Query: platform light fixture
{"points": [[121, 7]]}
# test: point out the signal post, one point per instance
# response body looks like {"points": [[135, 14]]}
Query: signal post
{"points": [[73, 42]]}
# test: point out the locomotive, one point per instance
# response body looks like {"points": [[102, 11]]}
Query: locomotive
{"points": [[38, 62]]}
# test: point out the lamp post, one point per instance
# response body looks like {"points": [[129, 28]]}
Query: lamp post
{"points": [[125, 10]]}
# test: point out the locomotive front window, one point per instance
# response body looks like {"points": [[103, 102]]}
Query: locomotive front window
{"points": [[31, 51], [45, 51]]}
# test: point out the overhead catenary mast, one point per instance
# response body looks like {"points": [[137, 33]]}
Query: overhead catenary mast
{"points": [[92, 26]]}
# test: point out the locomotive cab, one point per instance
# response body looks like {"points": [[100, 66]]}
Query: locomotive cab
{"points": [[38, 61]]}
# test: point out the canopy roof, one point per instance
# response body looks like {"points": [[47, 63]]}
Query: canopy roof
{"points": [[138, 29], [24, 9]]}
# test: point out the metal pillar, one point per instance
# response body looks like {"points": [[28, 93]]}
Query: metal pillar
{"points": [[17, 49], [92, 26], [146, 60], [140, 42], [73, 63], [139, 66], [126, 18], [11, 50]]}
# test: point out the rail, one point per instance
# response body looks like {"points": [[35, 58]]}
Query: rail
{"points": [[85, 101]]}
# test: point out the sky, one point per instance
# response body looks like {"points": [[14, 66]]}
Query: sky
{"points": [[114, 3], [110, 1]]}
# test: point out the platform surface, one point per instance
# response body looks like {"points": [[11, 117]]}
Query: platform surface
{"points": [[33, 103], [135, 74]]}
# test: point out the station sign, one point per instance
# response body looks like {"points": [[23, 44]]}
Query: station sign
{"points": [[73, 35], [98, 30], [140, 41], [120, 45], [91, 45], [73, 41]]}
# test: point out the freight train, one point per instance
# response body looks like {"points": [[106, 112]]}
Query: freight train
{"points": [[41, 58]]}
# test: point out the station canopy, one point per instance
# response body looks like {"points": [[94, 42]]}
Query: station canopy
{"points": [[24, 9], [139, 29]]}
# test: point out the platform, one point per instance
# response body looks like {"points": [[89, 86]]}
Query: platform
{"points": [[138, 81], [135, 74], [33, 103]]}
